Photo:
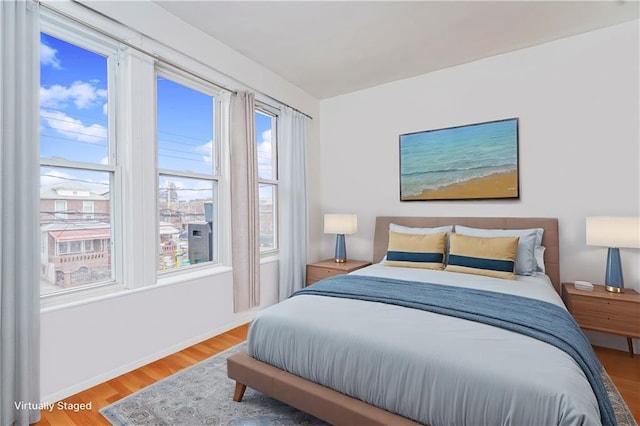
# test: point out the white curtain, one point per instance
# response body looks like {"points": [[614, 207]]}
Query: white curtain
{"points": [[292, 186], [245, 247], [19, 201]]}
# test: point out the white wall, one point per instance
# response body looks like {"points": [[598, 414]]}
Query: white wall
{"points": [[87, 343], [578, 104], [90, 343]]}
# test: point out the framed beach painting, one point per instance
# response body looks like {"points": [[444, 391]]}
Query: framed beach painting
{"points": [[471, 162]]}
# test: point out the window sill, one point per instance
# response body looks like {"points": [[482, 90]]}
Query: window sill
{"points": [[80, 297], [177, 277], [88, 296], [269, 257]]}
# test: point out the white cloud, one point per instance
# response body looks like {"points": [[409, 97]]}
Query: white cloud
{"points": [[83, 95], [206, 149], [105, 160], [72, 128], [266, 136], [49, 56], [264, 146], [105, 108], [53, 177], [265, 155]]}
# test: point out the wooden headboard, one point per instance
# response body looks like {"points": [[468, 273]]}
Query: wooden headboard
{"points": [[550, 238]]}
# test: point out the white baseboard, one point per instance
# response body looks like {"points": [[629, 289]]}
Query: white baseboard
{"points": [[79, 387]]}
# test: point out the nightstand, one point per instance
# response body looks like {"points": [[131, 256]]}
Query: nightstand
{"points": [[329, 268], [600, 310]]}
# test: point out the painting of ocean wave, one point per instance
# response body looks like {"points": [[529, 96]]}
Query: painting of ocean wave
{"points": [[476, 161]]}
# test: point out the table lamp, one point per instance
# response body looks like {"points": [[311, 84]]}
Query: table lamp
{"points": [[340, 224], [614, 233]]}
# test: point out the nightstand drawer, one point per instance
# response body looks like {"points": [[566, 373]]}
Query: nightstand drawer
{"points": [[315, 273], [615, 316], [329, 268]]}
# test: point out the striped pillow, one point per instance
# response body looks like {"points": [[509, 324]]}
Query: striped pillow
{"points": [[491, 256], [416, 250]]}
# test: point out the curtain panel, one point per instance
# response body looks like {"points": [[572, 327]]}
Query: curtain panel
{"points": [[292, 142], [245, 225], [19, 207]]}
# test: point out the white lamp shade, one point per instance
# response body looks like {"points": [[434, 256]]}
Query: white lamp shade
{"points": [[613, 232], [340, 223]]}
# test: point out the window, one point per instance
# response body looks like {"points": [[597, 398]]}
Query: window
{"points": [[101, 179], [75, 247], [60, 209], [87, 209], [266, 147], [188, 171], [77, 158], [63, 248]]}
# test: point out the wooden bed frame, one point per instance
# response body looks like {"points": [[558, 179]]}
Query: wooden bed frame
{"points": [[335, 407]]}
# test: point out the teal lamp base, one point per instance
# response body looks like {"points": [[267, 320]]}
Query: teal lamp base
{"points": [[613, 277], [341, 249]]}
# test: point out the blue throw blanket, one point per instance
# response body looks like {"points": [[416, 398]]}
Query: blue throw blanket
{"points": [[534, 318]]}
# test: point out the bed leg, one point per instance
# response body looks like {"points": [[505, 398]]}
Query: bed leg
{"points": [[239, 392]]}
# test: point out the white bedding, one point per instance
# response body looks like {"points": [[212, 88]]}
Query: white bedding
{"points": [[536, 287], [428, 367]]}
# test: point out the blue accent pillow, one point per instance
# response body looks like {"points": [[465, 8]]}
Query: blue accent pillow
{"points": [[490, 256], [416, 250], [530, 239]]}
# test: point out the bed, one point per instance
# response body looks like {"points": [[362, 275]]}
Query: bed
{"points": [[362, 362]]}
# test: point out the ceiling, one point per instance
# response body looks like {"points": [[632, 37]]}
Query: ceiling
{"points": [[331, 48]]}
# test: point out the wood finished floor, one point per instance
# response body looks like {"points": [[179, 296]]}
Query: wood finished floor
{"points": [[113, 390], [624, 371]]}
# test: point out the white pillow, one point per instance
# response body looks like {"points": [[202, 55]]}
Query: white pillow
{"points": [[530, 239], [540, 258], [408, 230]]}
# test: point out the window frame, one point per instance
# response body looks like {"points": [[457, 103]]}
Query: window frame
{"points": [[132, 141], [87, 39], [216, 177], [274, 113]]}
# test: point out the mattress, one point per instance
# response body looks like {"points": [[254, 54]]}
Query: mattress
{"points": [[431, 368]]}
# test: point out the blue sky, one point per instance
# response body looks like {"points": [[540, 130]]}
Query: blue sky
{"points": [[73, 99], [74, 120], [185, 128]]}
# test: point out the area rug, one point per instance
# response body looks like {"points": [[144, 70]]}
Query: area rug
{"points": [[202, 395]]}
